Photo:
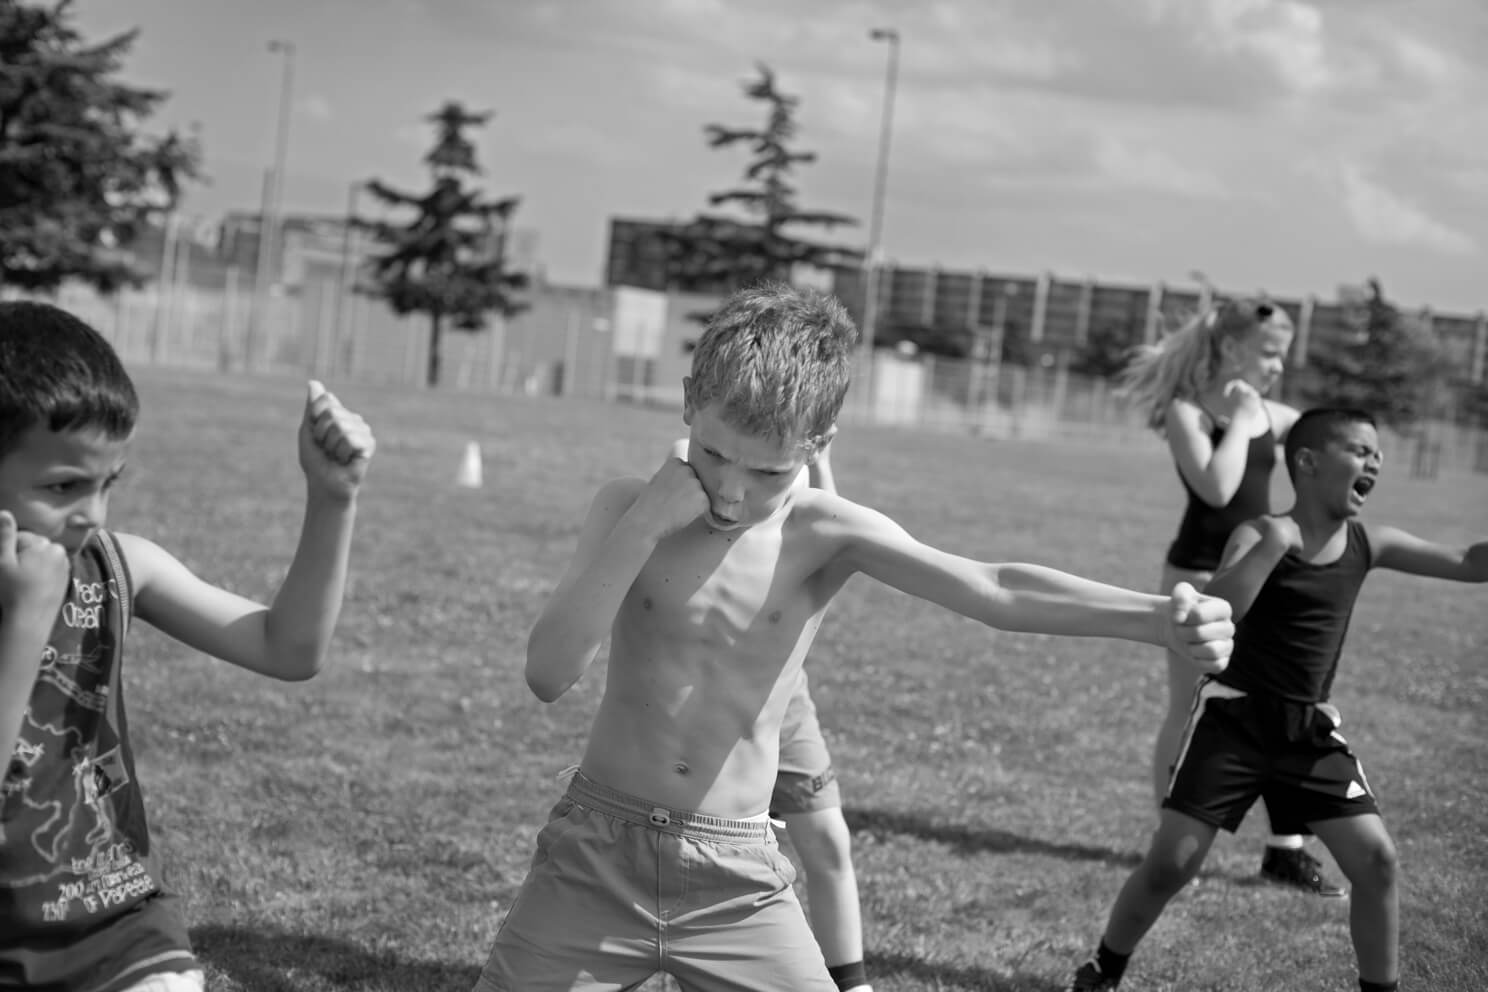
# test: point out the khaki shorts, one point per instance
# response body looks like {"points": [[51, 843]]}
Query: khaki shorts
{"points": [[621, 889], [805, 781]]}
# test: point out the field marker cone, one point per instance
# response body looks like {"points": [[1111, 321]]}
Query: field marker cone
{"points": [[469, 476]]}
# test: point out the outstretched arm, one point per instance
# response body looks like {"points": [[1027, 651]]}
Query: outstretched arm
{"points": [[1031, 598], [288, 639], [1395, 549], [1252, 552]]}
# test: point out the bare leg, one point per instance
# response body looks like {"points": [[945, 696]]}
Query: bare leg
{"points": [[1183, 678], [1364, 851], [824, 844], [1177, 852]]}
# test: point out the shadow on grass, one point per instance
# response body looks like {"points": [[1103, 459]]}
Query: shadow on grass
{"points": [[967, 840], [270, 961], [922, 974], [980, 840]]}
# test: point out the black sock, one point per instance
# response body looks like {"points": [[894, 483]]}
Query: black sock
{"points": [[1378, 986], [1111, 964], [849, 976]]}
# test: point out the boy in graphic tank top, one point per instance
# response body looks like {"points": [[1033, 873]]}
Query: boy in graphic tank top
{"points": [[82, 907]]}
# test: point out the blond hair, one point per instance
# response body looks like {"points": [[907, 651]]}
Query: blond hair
{"points": [[777, 361], [1185, 361]]}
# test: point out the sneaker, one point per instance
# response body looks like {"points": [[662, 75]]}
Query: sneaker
{"points": [[1090, 979], [1299, 869]]}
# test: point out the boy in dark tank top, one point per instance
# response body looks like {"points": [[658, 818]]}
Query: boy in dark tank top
{"points": [[1263, 728]]}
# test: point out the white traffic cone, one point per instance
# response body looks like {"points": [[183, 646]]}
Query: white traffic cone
{"points": [[469, 476]]}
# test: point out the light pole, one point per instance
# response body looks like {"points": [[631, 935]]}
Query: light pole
{"points": [[273, 200], [346, 280], [1206, 289], [880, 185]]}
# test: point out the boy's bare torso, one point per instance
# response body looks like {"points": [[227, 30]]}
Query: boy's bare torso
{"points": [[703, 658]]}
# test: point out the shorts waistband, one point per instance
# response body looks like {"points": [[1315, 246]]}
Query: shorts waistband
{"points": [[632, 809], [1211, 688]]}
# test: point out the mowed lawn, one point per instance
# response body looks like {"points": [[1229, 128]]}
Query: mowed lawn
{"points": [[366, 830]]}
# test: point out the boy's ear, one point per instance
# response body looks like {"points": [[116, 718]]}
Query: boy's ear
{"points": [[822, 440], [1306, 460], [687, 400]]}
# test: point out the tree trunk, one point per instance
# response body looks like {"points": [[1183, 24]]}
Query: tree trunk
{"points": [[436, 329]]}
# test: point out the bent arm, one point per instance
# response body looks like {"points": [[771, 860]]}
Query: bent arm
{"points": [[613, 548], [24, 631], [1243, 569], [1213, 471], [286, 640], [819, 474], [1283, 416], [1403, 552]]}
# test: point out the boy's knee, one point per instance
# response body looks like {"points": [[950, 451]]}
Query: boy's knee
{"points": [[1166, 876], [823, 842], [1381, 864]]}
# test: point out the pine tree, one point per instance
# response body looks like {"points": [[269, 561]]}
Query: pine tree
{"points": [[1388, 364], [78, 181], [449, 261], [719, 252]]}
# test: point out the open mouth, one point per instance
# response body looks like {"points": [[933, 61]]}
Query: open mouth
{"points": [[717, 522], [1362, 485]]}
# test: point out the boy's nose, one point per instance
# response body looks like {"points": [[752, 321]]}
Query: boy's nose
{"points": [[730, 488], [90, 512]]}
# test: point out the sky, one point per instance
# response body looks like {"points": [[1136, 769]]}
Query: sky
{"points": [[1273, 145]]}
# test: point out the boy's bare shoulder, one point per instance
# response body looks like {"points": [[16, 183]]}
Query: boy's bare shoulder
{"points": [[623, 490], [140, 553], [818, 508]]}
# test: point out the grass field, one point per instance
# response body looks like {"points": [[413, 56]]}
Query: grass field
{"points": [[365, 831]]}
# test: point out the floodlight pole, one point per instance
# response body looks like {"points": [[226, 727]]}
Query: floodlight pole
{"points": [[273, 202], [880, 186]]}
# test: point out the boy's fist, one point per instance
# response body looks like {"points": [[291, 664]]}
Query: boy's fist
{"points": [[1200, 628], [33, 570], [672, 499], [336, 444]]}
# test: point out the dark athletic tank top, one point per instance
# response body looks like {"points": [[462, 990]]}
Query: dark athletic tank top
{"points": [[1289, 643], [1204, 529]]}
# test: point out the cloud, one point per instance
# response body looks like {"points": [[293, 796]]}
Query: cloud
{"points": [[414, 135], [1283, 36], [1471, 179], [1227, 54], [1150, 169], [1383, 217], [586, 143], [316, 107], [1379, 66]]}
